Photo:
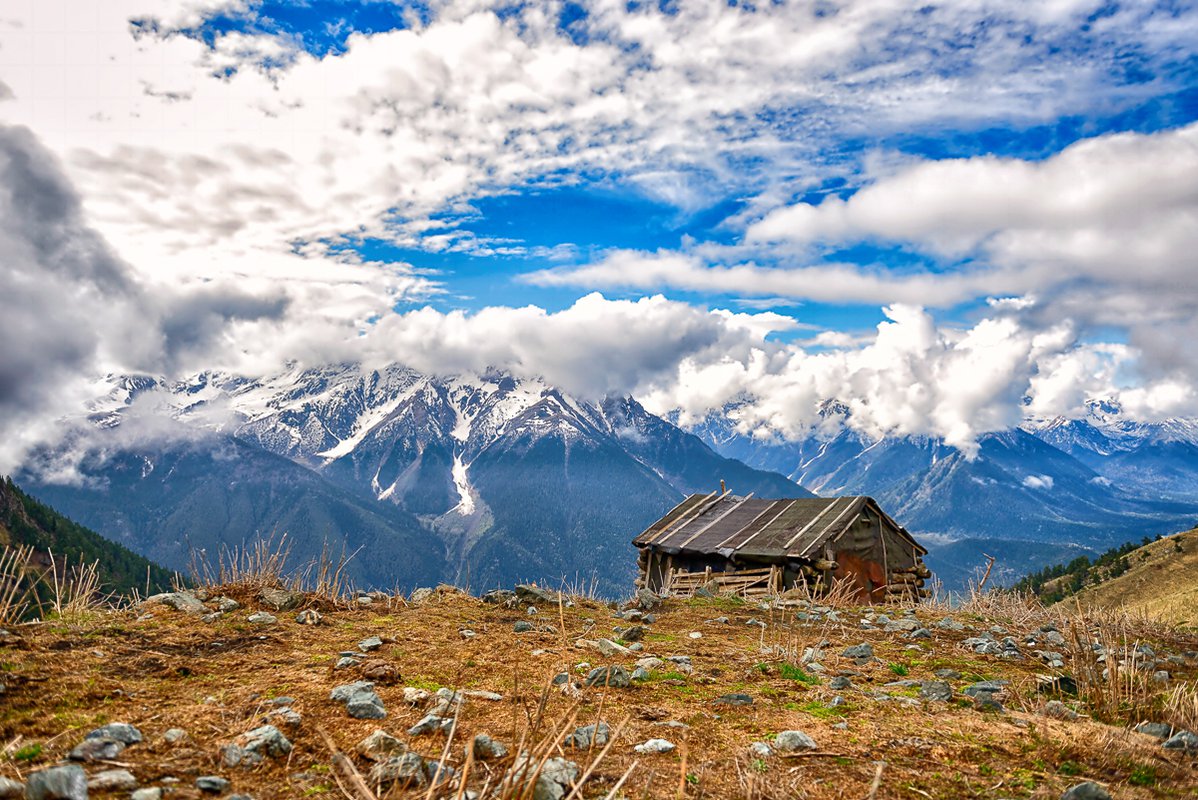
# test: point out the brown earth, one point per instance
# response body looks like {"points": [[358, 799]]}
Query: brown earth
{"points": [[215, 680]]}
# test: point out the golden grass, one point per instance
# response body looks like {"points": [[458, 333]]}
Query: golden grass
{"points": [[1162, 583]]}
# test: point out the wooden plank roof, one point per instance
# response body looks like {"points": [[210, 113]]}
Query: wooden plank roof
{"points": [[758, 528]]}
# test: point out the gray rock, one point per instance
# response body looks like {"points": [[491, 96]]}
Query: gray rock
{"points": [[1054, 638], [590, 735], [57, 783], [226, 604], [279, 599], [10, 789], [252, 747], [761, 750], [370, 644], [1086, 791], [174, 735], [734, 699], [554, 782], [839, 682], [380, 745], [650, 663], [151, 793], [431, 723], [498, 596], [112, 780], [794, 741], [640, 674], [365, 705], [948, 674], [120, 731], [920, 633], [950, 624], [286, 716], [180, 601], [633, 634], [347, 662], [610, 649], [562, 678], [309, 616], [1159, 730], [404, 771], [936, 691], [654, 746], [985, 687], [646, 600], [421, 595], [96, 750], [528, 593], [1182, 740], [859, 651], [1058, 710], [523, 626], [614, 677], [262, 618], [361, 701], [213, 784], [485, 747]]}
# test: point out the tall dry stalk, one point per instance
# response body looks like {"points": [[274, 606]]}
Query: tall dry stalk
{"points": [[76, 592], [18, 584]]}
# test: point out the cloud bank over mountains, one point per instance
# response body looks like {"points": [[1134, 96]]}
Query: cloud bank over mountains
{"points": [[180, 195]]}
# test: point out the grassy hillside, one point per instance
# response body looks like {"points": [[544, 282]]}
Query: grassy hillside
{"points": [[25, 521], [902, 714], [1160, 580]]}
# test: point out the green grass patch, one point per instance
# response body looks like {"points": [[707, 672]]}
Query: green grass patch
{"points": [[724, 602], [900, 669], [428, 684], [793, 672], [28, 753], [1142, 775], [821, 710], [1070, 768]]}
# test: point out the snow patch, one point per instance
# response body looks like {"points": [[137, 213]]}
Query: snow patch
{"points": [[465, 506]]}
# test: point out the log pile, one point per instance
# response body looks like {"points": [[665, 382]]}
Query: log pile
{"points": [[907, 583]]}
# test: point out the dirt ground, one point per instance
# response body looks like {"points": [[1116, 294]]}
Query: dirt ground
{"points": [[217, 679]]}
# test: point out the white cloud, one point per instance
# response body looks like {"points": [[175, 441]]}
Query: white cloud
{"points": [[1038, 481]]}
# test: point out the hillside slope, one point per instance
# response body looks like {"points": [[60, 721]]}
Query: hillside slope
{"points": [[957, 710], [1161, 581], [25, 521]]}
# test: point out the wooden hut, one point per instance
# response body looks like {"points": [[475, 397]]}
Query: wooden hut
{"points": [[754, 547]]}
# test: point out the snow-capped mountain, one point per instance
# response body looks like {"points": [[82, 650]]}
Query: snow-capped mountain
{"points": [[1030, 497], [508, 479], [1153, 459]]}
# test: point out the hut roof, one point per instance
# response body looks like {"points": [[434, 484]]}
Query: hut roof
{"points": [[758, 528]]}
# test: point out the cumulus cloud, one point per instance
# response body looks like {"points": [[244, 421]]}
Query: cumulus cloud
{"points": [[1038, 481]]}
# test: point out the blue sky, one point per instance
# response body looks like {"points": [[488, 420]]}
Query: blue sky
{"points": [[977, 200]]}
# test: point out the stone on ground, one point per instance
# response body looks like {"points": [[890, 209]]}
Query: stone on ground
{"points": [[112, 780], [654, 746], [1089, 790], [380, 745], [120, 731], [793, 742], [486, 748], [57, 783]]}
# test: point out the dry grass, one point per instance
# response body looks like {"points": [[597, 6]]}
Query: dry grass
{"points": [[17, 584], [215, 680]]}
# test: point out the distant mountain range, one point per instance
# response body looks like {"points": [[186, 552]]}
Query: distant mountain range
{"points": [[1038, 494], [488, 480], [481, 481]]}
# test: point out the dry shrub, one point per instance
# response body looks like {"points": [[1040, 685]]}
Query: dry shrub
{"points": [[265, 563]]}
